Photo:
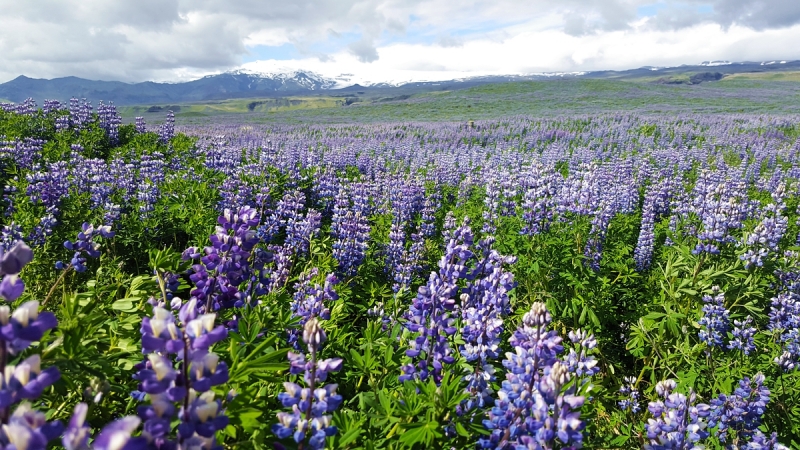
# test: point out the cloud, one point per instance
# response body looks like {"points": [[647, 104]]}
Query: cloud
{"points": [[179, 39], [364, 50]]}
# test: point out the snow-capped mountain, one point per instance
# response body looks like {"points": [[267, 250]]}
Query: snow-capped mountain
{"points": [[278, 81]]}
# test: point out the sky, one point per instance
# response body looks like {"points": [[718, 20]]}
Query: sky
{"points": [[383, 40]]}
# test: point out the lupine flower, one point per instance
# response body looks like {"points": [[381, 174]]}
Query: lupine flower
{"points": [[784, 319], [593, 252], [224, 269], [762, 442], [28, 429], [76, 436], [117, 436], [490, 207], [351, 245], [12, 261], [656, 204], [538, 202], [677, 422], [631, 399], [167, 130], [715, 319], [312, 300], [141, 127], [534, 407], [109, 120], [738, 416], [189, 338], [309, 420], [85, 245], [428, 318], [743, 336], [485, 304], [427, 226], [766, 236]]}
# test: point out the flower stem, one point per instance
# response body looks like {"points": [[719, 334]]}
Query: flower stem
{"points": [[55, 285]]}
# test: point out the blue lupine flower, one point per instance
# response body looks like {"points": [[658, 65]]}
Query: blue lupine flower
{"points": [[85, 245], [428, 317], [677, 422], [715, 320], [188, 338], [631, 400], [743, 336], [537, 406], [311, 300], [738, 416], [309, 420]]}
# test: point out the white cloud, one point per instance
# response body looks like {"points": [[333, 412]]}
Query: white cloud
{"points": [[392, 40]]}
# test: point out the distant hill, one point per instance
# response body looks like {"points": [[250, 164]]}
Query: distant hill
{"points": [[214, 87], [240, 84]]}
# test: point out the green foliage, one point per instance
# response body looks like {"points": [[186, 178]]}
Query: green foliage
{"points": [[646, 323]]}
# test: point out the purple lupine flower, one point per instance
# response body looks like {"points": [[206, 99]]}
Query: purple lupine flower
{"points": [[80, 113], [350, 247], [743, 336], [656, 204], [167, 130], [578, 360], [738, 416], [720, 206], [28, 429], [203, 417], [51, 106], [109, 120], [189, 338], [12, 260], [225, 269], [643, 253], [326, 188], [766, 236], [428, 318], [85, 245], [397, 243], [715, 320], [593, 251], [537, 406], [26, 381], [427, 226], [309, 420], [485, 304], [538, 202], [76, 436], [631, 399], [117, 436], [760, 441], [62, 122], [141, 127], [311, 300], [677, 422], [490, 206], [25, 325]]}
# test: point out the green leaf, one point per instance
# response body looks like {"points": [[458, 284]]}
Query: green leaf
{"points": [[420, 432], [124, 304]]}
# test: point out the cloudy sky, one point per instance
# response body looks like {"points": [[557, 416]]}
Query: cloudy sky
{"points": [[383, 40]]}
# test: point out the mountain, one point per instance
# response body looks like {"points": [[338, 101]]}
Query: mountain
{"points": [[243, 84], [213, 87]]}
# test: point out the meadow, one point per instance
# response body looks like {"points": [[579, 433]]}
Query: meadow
{"points": [[406, 278], [732, 95]]}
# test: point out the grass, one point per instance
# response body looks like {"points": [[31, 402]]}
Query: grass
{"points": [[765, 76], [539, 98], [232, 106]]}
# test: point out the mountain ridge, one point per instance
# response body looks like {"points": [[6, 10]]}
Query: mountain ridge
{"points": [[245, 84]]}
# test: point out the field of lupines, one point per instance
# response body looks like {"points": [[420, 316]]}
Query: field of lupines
{"points": [[606, 281]]}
